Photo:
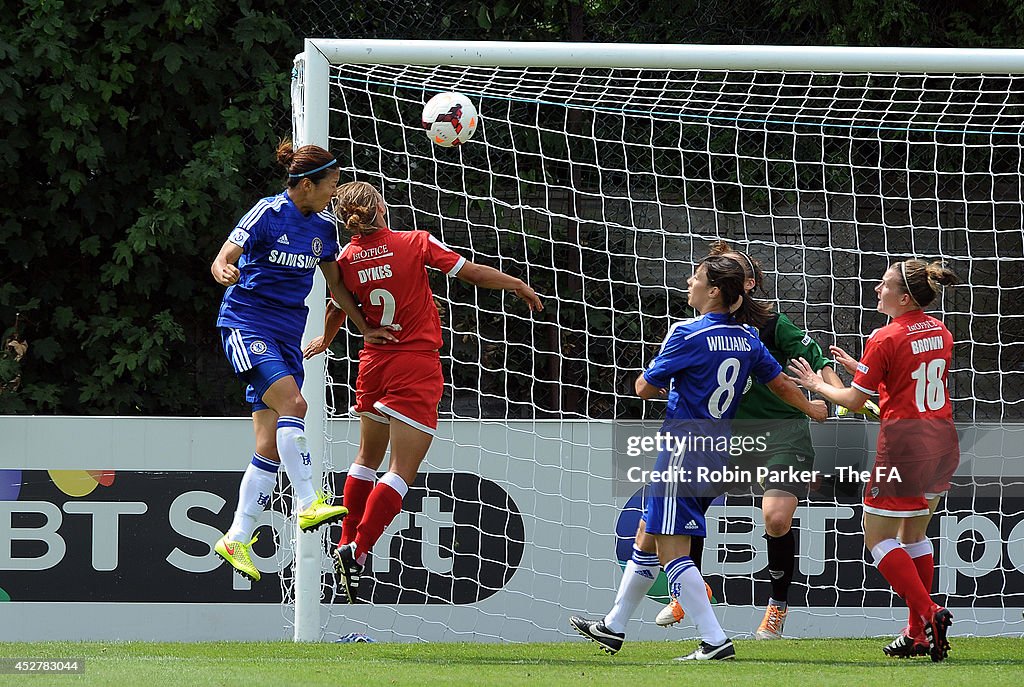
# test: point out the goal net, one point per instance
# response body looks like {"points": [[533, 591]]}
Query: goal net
{"points": [[601, 182]]}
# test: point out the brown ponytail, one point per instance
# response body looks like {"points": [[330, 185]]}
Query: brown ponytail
{"points": [[941, 275], [751, 267], [752, 312], [285, 153], [729, 276], [308, 162], [356, 206], [923, 281]]}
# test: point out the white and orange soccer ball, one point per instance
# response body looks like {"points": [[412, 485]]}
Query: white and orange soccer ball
{"points": [[450, 119]]}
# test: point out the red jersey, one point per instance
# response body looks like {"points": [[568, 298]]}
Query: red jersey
{"points": [[907, 363], [386, 274]]}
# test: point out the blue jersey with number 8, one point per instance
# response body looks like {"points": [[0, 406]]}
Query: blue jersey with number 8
{"points": [[704, 363]]}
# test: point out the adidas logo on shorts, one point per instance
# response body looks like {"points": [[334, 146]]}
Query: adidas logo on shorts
{"points": [[692, 525]]}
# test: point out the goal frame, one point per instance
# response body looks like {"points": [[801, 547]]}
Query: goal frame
{"points": [[310, 109]]}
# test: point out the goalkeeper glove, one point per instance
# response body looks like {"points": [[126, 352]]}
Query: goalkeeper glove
{"points": [[869, 410]]}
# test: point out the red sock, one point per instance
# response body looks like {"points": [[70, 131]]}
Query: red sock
{"points": [[898, 568], [925, 571], [355, 495], [381, 508]]}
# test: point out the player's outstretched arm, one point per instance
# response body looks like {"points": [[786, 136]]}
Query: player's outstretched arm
{"points": [[342, 304], [343, 299], [785, 388], [843, 358], [490, 278], [805, 376], [831, 377], [869, 409], [333, 319], [223, 268]]}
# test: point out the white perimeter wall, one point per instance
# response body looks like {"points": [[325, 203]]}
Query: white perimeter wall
{"points": [[558, 474]]}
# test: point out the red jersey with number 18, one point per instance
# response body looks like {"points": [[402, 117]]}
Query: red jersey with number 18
{"points": [[907, 363], [386, 274]]}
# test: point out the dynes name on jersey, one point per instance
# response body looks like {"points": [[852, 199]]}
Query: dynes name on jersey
{"points": [[374, 273], [302, 262]]}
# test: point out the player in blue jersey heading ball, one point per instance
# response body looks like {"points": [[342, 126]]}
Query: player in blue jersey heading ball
{"points": [[268, 264], [700, 369]]}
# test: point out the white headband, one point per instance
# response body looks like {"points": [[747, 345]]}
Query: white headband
{"points": [[753, 272], [903, 269]]}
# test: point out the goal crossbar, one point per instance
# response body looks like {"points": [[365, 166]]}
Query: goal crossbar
{"points": [[669, 56]]}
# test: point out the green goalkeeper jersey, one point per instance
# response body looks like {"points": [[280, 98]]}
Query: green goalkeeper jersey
{"points": [[785, 341]]}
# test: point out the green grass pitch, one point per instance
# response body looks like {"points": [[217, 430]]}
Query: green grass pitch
{"points": [[841, 662]]}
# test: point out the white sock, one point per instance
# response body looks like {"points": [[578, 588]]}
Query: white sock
{"points": [[393, 480], [687, 586], [294, 450], [919, 548], [258, 484], [637, 579], [362, 472]]}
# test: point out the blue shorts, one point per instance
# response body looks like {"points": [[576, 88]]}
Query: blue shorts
{"points": [[676, 515], [679, 506], [259, 361]]}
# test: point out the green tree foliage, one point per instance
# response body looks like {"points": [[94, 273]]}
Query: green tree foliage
{"points": [[134, 133], [908, 23], [960, 23]]}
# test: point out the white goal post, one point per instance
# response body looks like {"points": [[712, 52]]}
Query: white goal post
{"points": [[822, 162]]}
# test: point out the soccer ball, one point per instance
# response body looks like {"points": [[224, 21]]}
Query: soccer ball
{"points": [[450, 119]]}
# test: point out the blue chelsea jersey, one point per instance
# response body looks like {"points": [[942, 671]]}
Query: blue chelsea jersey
{"points": [[704, 363], [281, 251]]}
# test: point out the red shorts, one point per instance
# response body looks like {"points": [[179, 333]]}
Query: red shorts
{"points": [[405, 385], [900, 489]]}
